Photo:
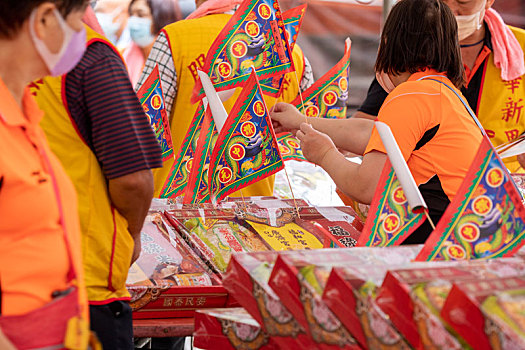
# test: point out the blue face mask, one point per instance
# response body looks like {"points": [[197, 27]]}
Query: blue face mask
{"points": [[140, 31]]}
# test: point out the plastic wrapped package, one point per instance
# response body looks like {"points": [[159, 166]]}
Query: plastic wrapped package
{"points": [[263, 202], [340, 233], [168, 280], [349, 293], [311, 228], [488, 314], [218, 233], [519, 180], [247, 281], [231, 328], [413, 298], [159, 205], [299, 279], [217, 239]]}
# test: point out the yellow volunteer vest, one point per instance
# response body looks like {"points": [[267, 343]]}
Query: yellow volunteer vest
{"points": [[501, 105], [189, 42], [107, 246]]}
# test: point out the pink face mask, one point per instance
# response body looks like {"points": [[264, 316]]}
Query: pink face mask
{"points": [[71, 51], [385, 81]]}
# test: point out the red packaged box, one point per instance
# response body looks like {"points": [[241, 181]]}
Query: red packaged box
{"points": [[299, 278], [247, 281], [488, 314], [168, 280], [413, 298], [339, 234], [349, 293], [232, 328]]}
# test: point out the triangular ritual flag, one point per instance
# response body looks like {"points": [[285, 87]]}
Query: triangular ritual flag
{"points": [[292, 19], [327, 97], [152, 101], [253, 37], [197, 190], [486, 218], [390, 219], [180, 171], [290, 147], [246, 150], [397, 207]]}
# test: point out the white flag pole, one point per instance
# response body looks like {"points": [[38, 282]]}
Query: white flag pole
{"points": [[217, 108], [412, 193]]}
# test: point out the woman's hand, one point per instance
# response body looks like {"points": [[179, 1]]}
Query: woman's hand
{"points": [[286, 118], [314, 144]]}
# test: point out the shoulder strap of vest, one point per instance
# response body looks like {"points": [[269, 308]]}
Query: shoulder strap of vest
{"points": [[467, 107], [485, 136], [93, 37]]}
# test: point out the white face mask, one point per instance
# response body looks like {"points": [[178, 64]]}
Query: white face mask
{"points": [[470, 23], [108, 24]]}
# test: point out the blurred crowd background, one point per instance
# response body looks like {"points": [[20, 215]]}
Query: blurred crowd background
{"points": [[325, 27]]}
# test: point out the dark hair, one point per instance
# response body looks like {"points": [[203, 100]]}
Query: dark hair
{"points": [[163, 12], [13, 13], [421, 34]]}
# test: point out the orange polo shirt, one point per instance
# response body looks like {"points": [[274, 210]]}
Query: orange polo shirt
{"points": [[417, 106], [35, 193]]}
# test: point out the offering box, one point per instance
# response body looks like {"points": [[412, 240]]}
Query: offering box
{"points": [[299, 278], [488, 314], [247, 281], [231, 328], [413, 298], [350, 293], [168, 280], [217, 233]]}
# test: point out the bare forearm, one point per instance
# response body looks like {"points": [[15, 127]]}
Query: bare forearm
{"points": [[348, 134], [131, 195], [346, 176], [364, 115]]}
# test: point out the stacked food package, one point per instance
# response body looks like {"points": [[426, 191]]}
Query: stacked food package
{"points": [[168, 280], [186, 249], [375, 298], [251, 273]]}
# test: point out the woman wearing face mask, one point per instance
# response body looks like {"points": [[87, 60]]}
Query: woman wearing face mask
{"points": [[436, 134], [147, 18], [492, 54], [43, 299], [112, 17]]}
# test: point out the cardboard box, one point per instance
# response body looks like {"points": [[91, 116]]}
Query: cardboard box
{"points": [[247, 281], [232, 328], [168, 280], [488, 314]]}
